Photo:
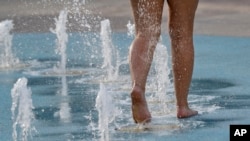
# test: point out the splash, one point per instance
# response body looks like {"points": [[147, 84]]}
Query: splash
{"points": [[110, 54], [131, 29], [106, 112], [22, 114], [162, 73], [65, 109], [62, 39], [7, 59]]}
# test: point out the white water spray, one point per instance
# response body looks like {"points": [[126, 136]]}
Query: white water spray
{"points": [[22, 114], [110, 54], [131, 29], [62, 39], [162, 72], [106, 111], [7, 59], [65, 110]]}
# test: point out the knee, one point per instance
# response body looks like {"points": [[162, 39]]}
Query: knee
{"points": [[181, 35], [151, 36], [175, 32]]}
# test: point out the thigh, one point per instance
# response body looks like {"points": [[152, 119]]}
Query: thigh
{"points": [[181, 17], [147, 15]]}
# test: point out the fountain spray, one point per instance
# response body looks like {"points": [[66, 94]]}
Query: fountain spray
{"points": [[22, 114], [162, 76], [62, 39], [106, 111], [7, 59], [111, 60]]}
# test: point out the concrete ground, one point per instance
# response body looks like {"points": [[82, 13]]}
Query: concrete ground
{"points": [[213, 17]]}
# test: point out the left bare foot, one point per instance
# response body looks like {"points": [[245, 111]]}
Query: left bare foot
{"points": [[140, 110]]}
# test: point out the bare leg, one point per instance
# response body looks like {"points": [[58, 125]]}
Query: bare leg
{"points": [[147, 17], [181, 22]]}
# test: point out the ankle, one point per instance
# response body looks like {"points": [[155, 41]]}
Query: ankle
{"points": [[137, 92]]}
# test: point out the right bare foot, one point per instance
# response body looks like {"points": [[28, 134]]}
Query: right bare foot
{"points": [[140, 110], [185, 112]]}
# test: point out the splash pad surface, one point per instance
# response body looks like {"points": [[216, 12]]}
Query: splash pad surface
{"points": [[219, 90]]}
